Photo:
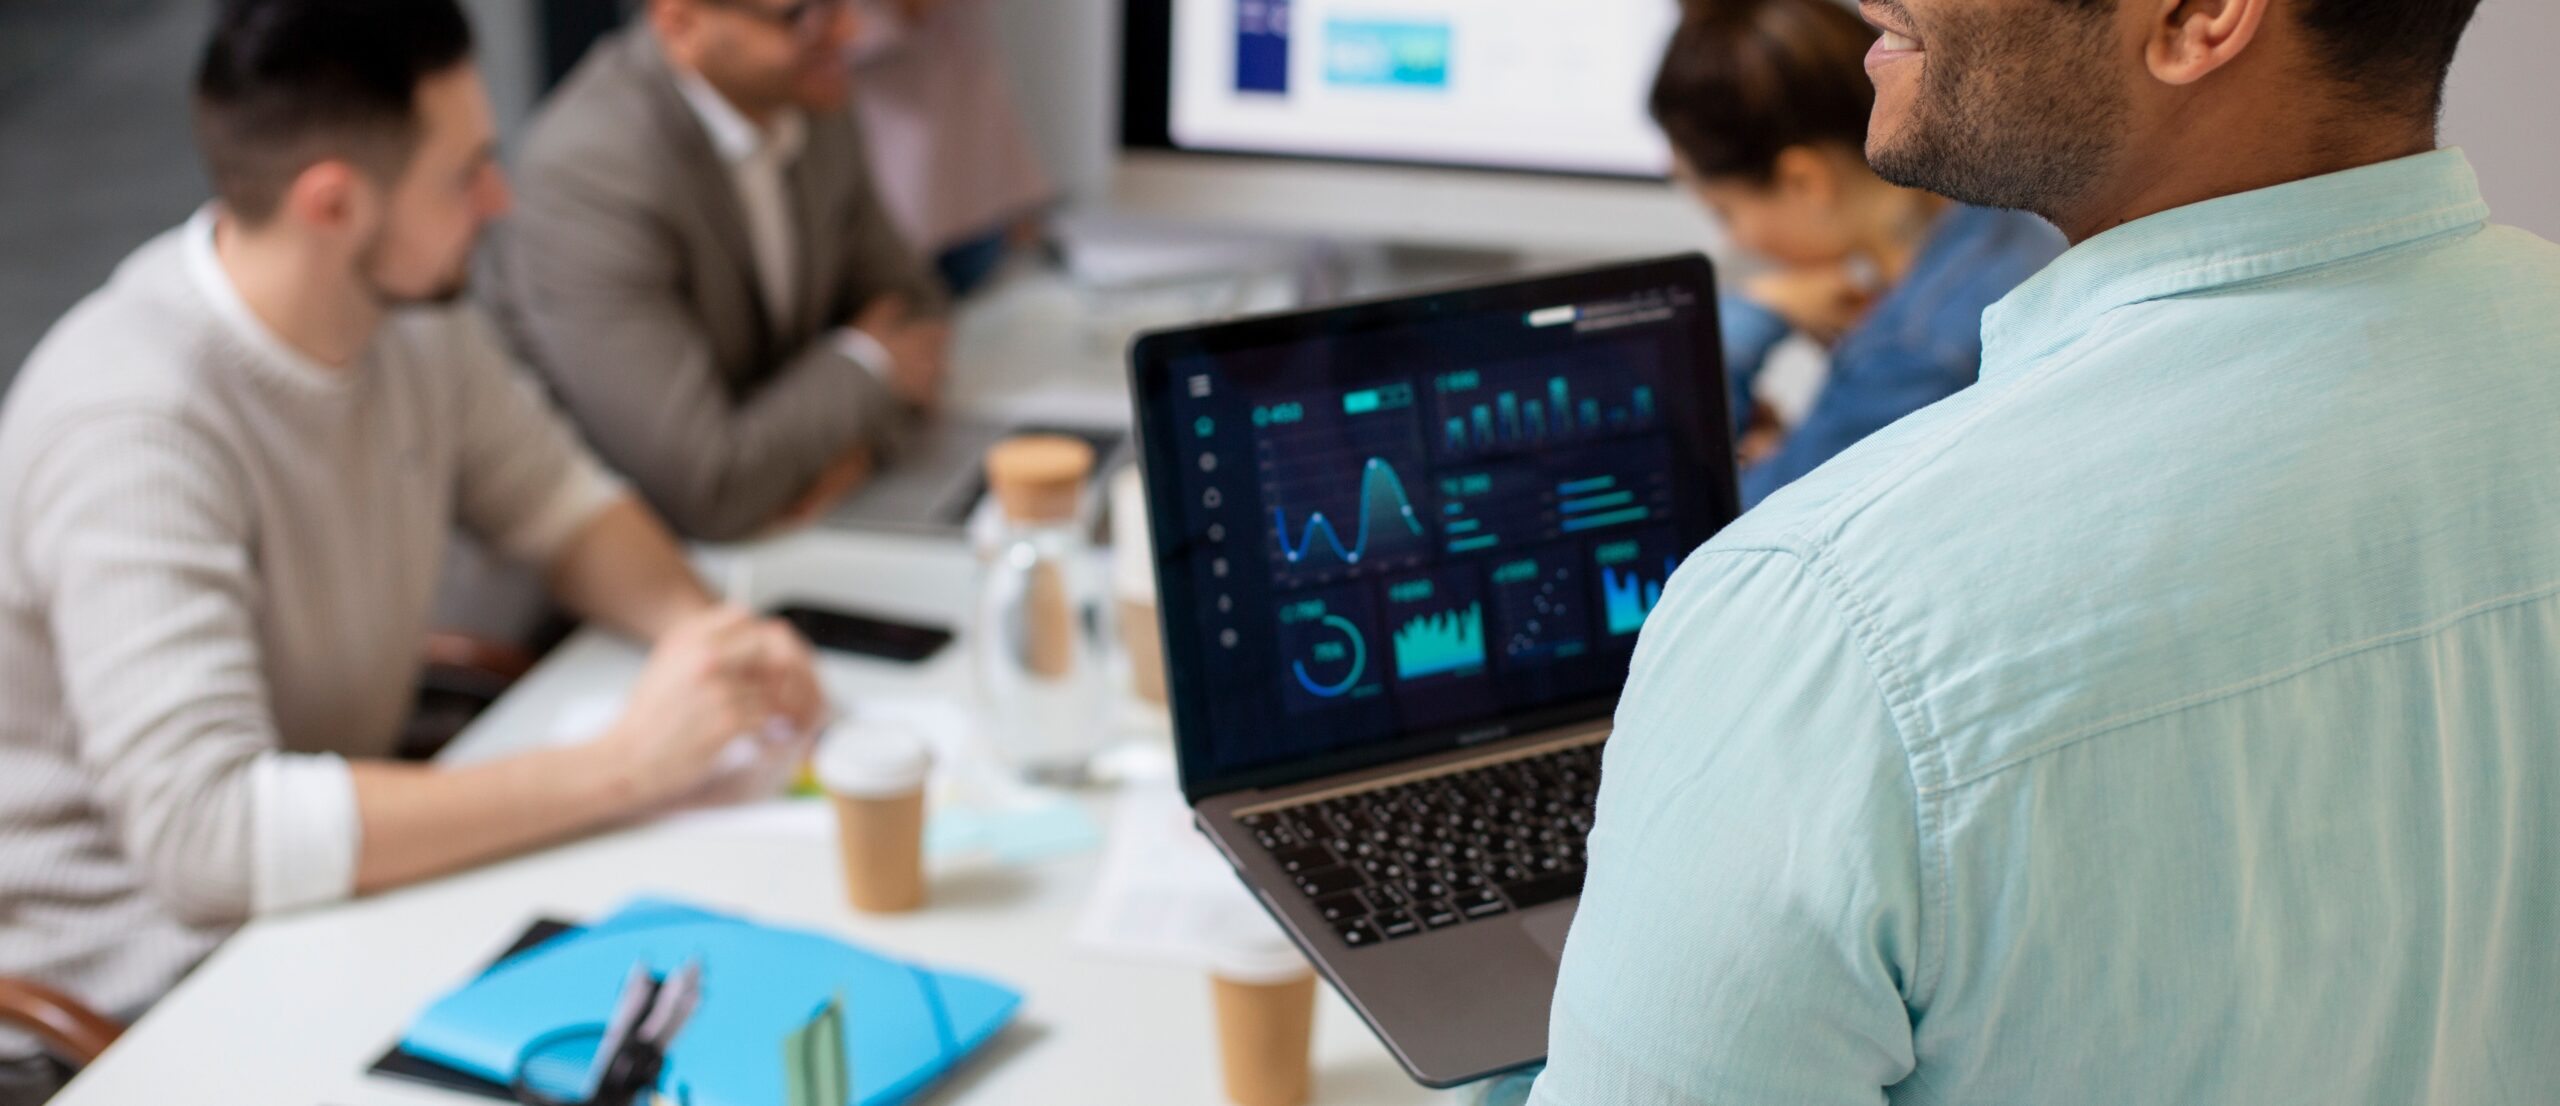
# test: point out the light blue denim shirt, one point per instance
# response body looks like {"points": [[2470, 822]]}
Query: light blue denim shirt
{"points": [[1920, 344], [2171, 717]]}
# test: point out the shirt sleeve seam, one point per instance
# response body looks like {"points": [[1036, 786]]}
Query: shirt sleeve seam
{"points": [[1920, 747]]}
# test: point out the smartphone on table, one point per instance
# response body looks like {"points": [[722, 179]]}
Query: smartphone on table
{"points": [[867, 635]]}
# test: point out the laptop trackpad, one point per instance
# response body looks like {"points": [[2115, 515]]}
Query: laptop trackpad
{"points": [[1548, 930]]}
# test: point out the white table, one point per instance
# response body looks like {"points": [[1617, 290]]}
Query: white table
{"points": [[293, 1009]]}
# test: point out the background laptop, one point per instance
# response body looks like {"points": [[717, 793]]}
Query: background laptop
{"points": [[1402, 552], [938, 479]]}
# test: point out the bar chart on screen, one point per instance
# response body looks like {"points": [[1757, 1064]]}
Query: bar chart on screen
{"points": [[1632, 573], [1538, 403], [1438, 625]]}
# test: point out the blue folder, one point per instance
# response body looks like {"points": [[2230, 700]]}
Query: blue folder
{"points": [[904, 1025]]}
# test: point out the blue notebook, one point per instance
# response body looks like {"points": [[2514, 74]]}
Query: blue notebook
{"points": [[904, 1025]]}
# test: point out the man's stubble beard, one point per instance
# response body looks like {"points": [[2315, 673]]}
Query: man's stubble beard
{"points": [[2008, 116], [446, 293]]}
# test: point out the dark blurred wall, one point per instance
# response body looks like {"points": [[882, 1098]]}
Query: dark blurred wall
{"points": [[95, 155], [568, 28]]}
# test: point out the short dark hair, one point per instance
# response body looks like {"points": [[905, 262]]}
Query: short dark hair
{"points": [[2390, 50], [1743, 80], [2396, 53], [284, 84]]}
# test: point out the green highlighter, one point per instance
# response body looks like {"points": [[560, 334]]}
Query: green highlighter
{"points": [[814, 1069]]}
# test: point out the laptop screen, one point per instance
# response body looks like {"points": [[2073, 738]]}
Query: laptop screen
{"points": [[1394, 528]]}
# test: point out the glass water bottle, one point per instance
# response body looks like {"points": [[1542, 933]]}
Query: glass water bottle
{"points": [[1035, 635]]}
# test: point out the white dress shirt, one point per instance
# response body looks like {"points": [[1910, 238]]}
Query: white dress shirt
{"points": [[758, 158]]}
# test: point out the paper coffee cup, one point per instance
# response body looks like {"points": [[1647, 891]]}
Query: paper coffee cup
{"points": [[874, 776], [1144, 641], [1133, 586], [1266, 1003]]}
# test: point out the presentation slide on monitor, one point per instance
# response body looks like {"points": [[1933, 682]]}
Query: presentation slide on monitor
{"points": [[1555, 85]]}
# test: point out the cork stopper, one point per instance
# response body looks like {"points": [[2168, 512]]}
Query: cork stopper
{"points": [[1039, 478]]}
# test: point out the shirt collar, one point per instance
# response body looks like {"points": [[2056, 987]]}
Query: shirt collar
{"points": [[2229, 240], [271, 353], [734, 136]]}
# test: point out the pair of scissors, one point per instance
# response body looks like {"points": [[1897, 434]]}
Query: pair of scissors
{"points": [[631, 1049]]}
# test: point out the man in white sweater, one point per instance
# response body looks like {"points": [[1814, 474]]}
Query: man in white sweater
{"points": [[226, 482]]}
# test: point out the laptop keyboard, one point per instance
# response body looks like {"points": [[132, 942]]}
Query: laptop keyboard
{"points": [[1436, 852]]}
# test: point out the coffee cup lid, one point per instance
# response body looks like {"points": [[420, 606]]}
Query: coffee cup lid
{"points": [[1264, 955], [872, 760]]}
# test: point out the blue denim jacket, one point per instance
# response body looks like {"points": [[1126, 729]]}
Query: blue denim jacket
{"points": [[1920, 344]]}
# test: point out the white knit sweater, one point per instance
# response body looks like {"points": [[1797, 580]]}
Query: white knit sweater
{"points": [[216, 563]]}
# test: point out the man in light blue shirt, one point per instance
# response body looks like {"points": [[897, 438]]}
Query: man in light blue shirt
{"points": [[2173, 716]]}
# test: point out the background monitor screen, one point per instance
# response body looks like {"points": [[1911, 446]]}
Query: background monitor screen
{"points": [[1379, 532], [1537, 85]]}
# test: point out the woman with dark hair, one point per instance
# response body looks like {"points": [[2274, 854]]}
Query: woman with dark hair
{"points": [[1765, 103]]}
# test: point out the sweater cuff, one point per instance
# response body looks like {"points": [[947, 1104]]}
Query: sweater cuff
{"points": [[304, 829]]}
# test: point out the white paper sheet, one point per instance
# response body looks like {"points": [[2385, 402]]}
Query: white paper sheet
{"points": [[1164, 893]]}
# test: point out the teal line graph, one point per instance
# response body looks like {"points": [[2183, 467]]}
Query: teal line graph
{"points": [[1377, 474], [1434, 644]]}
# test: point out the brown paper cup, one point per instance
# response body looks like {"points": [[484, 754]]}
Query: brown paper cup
{"points": [[1263, 1037], [881, 840], [1144, 640]]}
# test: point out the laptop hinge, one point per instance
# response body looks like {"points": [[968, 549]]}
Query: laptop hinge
{"points": [[1591, 734]]}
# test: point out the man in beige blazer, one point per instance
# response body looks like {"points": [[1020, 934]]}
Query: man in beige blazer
{"points": [[701, 268]]}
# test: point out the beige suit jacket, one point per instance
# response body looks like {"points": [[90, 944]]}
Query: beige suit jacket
{"points": [[624, 275]]}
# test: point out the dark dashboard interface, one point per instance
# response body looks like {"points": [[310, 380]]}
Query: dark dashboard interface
{"points": [[1384, 531]]}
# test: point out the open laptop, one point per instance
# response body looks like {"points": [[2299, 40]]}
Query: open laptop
{"points": [[1402, 552], [939, 477]]}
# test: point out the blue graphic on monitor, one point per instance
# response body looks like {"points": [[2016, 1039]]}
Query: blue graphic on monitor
{"points": [[1371, 54], [1262, 46]]}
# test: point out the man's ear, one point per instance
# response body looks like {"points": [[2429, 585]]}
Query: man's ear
{"points": [[2189, 39], [330, 195], [1802, 175], [671, 19]]}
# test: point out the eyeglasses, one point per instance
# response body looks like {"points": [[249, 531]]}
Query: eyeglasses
{"points": [[807, 18]]}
